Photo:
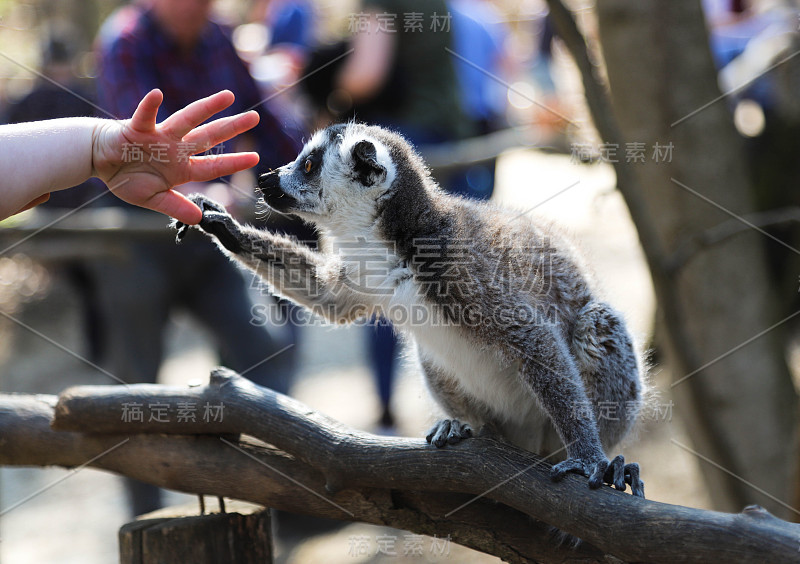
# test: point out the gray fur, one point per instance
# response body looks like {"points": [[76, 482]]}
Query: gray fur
{"points": [[514, 336]]}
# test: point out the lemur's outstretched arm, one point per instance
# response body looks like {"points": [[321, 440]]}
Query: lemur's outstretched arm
{"points": [[315, 283]]}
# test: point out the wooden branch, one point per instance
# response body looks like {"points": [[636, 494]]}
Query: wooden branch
{"points": [[258, 473], [325, 452], [690, 246], [452, 155]]}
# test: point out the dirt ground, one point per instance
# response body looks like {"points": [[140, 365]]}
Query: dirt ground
{"points": [[59, 516]]}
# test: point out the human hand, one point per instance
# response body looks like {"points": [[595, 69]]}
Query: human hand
{"points": [[142, 161]]}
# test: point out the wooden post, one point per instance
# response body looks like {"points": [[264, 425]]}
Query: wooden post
{"points": [[181, 534]]}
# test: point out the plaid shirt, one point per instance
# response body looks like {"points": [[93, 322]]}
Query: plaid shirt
{"points": [[136, 56]]}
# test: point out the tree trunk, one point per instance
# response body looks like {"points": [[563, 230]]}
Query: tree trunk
{"points": [[739, 402]]}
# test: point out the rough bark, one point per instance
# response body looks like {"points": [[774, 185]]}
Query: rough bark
{"points": [[342, 473], [741, 407]]}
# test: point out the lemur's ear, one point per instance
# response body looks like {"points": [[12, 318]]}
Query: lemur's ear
{"points": [[366, 165]]}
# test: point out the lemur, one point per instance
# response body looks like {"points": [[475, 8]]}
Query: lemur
{"points": [[506, 327]]}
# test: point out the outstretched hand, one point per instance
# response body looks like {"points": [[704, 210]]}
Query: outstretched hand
{"points": [[142, 161]]}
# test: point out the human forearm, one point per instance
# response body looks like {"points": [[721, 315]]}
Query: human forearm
{"points": [[41, 157]]}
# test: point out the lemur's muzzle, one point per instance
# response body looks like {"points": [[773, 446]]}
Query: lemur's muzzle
{"points": [[270, 185]]}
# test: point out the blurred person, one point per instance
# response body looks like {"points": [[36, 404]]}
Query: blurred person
{"points": [[548, 113], [176, 43], [542, 64], [176, 46], [746, 38], [291, 23], [479, 36], [400, 74], [290, 31]]}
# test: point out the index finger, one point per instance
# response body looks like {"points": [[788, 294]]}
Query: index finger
{"points": [[220, 130], [183, 121]]}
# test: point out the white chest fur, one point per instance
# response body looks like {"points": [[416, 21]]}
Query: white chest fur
{"points": [[477, 369]]}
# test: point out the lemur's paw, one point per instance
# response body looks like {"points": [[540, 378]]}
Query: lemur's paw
{"points": [[207, 205], [615, 473], [213, 221], [223, 227], [448, 431]]}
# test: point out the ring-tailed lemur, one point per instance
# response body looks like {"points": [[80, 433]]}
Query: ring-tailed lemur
{"points": [[507, 329]]}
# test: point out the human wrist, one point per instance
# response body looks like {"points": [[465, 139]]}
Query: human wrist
{"points": [[102, 146]]}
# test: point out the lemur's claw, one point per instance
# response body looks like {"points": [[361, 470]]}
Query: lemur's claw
{"points": [[181, 228], [448, 431], [599, 472]]}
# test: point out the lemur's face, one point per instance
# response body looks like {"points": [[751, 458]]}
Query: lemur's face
{"points": [[339, 176]]}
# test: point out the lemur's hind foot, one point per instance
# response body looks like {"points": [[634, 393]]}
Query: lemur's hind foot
{"points": [[615, 473], [448, 431]]}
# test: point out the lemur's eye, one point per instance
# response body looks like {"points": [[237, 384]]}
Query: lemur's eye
{"points": [[308, 165]]}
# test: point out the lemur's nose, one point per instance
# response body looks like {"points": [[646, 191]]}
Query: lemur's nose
{"points": [[276, 198], [269, 180]]}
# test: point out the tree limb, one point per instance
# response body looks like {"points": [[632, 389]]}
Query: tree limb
{"points": [[204, 464], [690, 246], [335, 459]]}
